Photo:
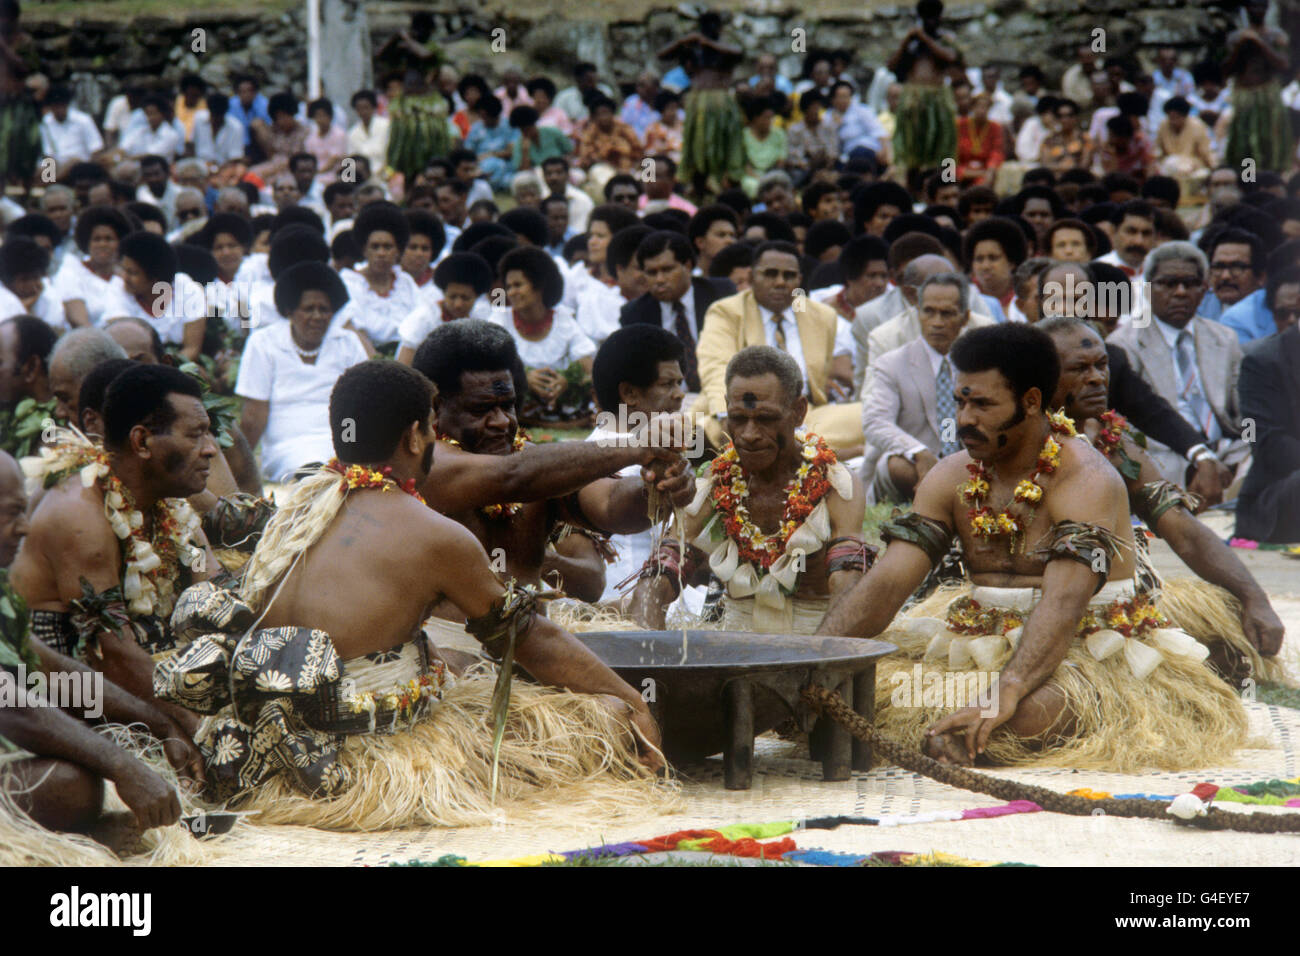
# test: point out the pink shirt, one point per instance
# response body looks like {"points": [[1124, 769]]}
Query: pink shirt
{"points": [[327, 149], [674, 202]]}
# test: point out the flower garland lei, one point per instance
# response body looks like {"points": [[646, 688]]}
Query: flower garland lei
{"points": [[1110, 442], [359, 476], [149, 565], [984, 521], [498, 511], [731, 490]]}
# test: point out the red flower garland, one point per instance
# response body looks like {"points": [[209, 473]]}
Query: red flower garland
{"points": [[802, 495], [359, 476]]}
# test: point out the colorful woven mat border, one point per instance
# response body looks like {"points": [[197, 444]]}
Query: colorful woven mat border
{"points": [[745, 840], [1273, 793]]}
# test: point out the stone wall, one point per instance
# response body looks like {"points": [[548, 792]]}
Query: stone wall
{"points": [[99, 56]]}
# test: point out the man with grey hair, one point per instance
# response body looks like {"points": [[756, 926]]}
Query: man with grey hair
{"points": [[1190, 361], [909, 413], [776, 192], [74, 355], [765, 405], [231, 199], [190, 215]]}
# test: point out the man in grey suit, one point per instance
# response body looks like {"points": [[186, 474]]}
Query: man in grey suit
{"points": [[1192, 362], [909, 413]]}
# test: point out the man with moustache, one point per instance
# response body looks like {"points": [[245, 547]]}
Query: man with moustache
{"points": [[1236, 270], [1044, 525], [368, 716], [113, 543], [1082, 392]]}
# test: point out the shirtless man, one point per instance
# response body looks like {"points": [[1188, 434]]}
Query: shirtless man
{"points": [[775, 583], [60, 777], [368, 569], [1004, 375], [472, 364], [93, 594], [1081, 392], [926, 131]]}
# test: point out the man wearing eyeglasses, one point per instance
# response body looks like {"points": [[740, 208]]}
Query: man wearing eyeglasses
{"points": [[776, 311], [1236, 271], [1192, 362]]}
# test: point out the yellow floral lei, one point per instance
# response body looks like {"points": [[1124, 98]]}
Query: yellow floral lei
{"points": [[984, 521]]}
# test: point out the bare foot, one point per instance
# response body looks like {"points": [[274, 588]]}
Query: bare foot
{"points": [[946, 748], [119, 832]]}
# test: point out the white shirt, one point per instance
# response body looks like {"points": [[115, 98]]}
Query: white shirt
{"points": [[228, 143], [565, 344], [298, 425], [145, 141], [790, 329], [1136, 282], [1029, 141], [118, 113], [580, 207], [598, 310], [75, 281], [427, 316], [372, 144], [633, 549], [379, 316], [76, 138], [188, 303], [166, 202]]}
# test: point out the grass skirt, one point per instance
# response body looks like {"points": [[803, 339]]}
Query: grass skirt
{"points": [[1260, 129], [24, 842], [1180, 717], [1210, 614], [713, 138], [564, 758], [926, 133]]}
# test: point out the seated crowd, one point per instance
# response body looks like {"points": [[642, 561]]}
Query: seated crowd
{"points": [[1086, 314]]}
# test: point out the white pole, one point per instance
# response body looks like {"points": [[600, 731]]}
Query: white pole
{"points": [[313, 49]]}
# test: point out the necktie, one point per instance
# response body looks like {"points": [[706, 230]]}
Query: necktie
{"points": [[778, 318], [946, 406], [1127, 270], [690, 364], [1192, 399]]}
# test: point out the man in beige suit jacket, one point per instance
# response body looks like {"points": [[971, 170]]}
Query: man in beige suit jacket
{"points": [[1192, 362], [772, 312], [903, 413]]}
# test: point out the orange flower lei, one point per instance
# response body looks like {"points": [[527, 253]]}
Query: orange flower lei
{"points": [[498, 511], [731, 489], [359, 476], [984, 521]]}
